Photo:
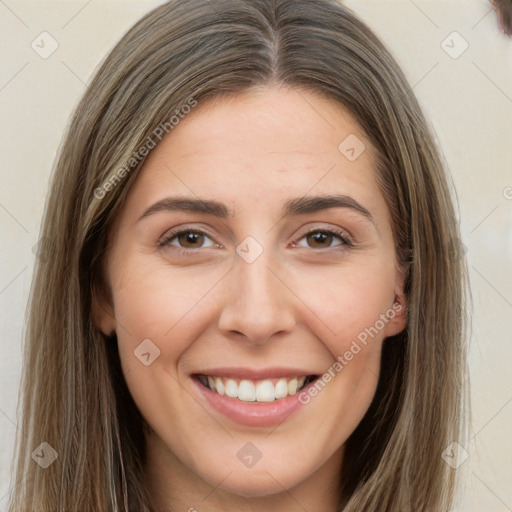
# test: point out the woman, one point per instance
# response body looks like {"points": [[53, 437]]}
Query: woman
{"points": [[253, 297]]}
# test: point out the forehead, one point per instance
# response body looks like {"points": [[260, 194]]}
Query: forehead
{"points": [[278, 120], [261, 147]]}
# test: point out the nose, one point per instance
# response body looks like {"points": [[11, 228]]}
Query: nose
{"points": [[258, 303]]}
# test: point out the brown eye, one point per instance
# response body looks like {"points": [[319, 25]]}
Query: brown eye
{"points": [[325, 239], [186, 239], [190, 240], [320, 239]]}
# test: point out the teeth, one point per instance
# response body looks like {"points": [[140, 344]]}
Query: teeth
{"points": [[219, 385], [246, 391], [292, 387], [250, 391], [265, 391], [231, 388], [281, 389]]}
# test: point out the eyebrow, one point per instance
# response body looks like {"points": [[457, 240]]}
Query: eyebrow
{"points": [[297, 206]]}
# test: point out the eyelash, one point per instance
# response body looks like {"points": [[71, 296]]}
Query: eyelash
{"points": [[169, 237]]}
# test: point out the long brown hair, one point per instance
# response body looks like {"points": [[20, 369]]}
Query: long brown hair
{"points": [[73, 394]]}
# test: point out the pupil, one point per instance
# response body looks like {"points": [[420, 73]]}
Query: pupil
{"points": [[320, 237], [190, 237]]}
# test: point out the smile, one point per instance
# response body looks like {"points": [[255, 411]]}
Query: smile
{"points": [[245, 390]]}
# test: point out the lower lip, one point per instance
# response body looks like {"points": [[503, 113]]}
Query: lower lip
{"points": [[254, 414]]}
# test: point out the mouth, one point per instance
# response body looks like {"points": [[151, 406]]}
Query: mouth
{"points": [[248, 390]]}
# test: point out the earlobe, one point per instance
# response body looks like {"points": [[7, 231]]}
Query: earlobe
{"points": [[102, 313], [397, 315], [397, 312]]}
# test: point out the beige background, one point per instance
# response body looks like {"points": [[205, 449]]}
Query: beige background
{"points": [[468, 100]]}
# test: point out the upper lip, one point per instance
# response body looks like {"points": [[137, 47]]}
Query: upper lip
{"points": [[256, 374]]}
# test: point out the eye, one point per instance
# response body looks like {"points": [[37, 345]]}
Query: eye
{"points": [[324, 238], [190, 239], [186, 239]]}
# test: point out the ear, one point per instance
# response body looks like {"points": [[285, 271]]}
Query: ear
{"points": [[102, 311], [397, 313]]}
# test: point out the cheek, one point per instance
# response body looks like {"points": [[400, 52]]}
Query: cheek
{"points": [[159, 303], [346, 309], [159, 314], [345, 302], [171, 308]]}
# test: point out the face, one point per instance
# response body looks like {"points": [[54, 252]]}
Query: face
{"points": [[252, 259]]}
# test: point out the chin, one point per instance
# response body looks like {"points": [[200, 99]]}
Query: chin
{"points": [[253, 487], [252, 483]]}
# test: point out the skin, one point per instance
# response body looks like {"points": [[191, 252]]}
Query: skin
{"points": [[297, 306]]}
